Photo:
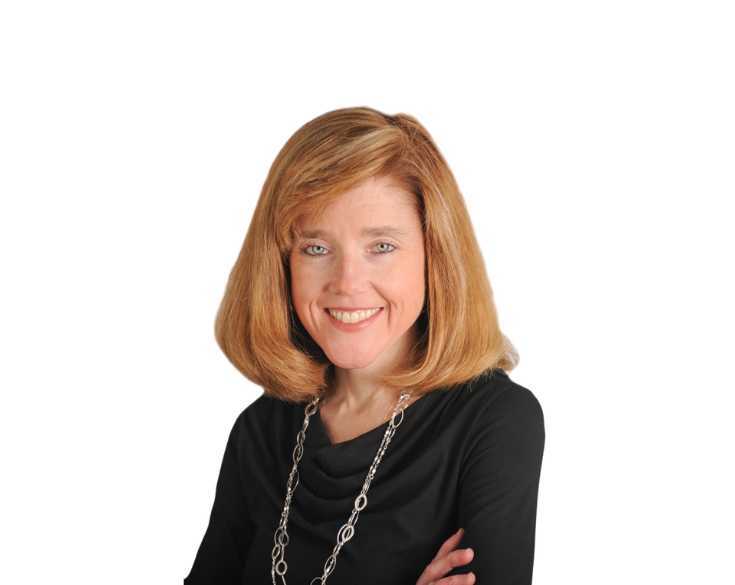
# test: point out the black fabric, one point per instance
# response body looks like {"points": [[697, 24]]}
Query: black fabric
{"points": [[466, 457]]}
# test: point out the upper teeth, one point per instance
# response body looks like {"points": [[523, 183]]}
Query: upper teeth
{"points": [[353, 317]]}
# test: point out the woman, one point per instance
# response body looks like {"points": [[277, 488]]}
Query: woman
{"points": [[360, 304]]}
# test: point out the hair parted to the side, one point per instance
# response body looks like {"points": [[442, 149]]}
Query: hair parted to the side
{"points": [[459, 336]]}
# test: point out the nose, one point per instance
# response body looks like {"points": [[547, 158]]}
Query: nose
{"points": [[349, 274]]}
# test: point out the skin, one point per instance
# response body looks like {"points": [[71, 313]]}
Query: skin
{"points": [[445, 560], [344, 267]]}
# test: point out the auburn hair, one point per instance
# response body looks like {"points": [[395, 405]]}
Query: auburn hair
{"points": [[256, 326]]}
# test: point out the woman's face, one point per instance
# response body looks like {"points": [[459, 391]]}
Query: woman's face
{"points": [[339, 263]]}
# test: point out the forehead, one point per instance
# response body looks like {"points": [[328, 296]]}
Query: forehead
{"points": [[378, 206]]}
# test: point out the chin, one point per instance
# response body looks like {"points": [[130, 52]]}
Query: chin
{"points": [[352, 363]]}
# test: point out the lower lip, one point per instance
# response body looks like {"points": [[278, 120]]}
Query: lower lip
{"points": [[351, 327]]}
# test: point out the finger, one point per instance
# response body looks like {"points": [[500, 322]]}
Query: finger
{"points": [[466, 579], [450, 543], [441, 566]]}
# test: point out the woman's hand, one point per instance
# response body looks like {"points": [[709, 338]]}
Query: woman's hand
{"points": [[445, 560]]}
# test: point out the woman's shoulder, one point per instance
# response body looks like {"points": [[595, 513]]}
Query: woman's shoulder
{"points": [[265, 413], [260, 409], [496, 398]]}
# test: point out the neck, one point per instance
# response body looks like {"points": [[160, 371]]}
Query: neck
{"points": [[358, 390], [355, 398]]}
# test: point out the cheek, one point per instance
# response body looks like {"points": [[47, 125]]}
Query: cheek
{"points": [[406, 286], [304, 284]]}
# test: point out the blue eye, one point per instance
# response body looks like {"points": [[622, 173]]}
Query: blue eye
{"points": [[312, 246], [306, 248]]}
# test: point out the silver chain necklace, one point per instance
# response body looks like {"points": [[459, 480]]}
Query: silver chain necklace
{"points": [[347, 531]]}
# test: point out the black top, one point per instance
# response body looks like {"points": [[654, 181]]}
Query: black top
{"points": [[468, 457]]}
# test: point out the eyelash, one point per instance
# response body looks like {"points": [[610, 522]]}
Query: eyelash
{"points": [[305, 248]]}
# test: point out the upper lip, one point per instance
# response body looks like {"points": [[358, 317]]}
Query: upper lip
{"points": [[353, 308]]}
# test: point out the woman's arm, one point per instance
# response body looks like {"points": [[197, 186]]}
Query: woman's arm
{"points": [[499, 488], [221, 556]]}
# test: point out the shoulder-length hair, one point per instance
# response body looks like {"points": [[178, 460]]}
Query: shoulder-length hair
{"points": [[458, 333]]}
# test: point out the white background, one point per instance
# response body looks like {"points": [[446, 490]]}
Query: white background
{"points": [[593, 143]]}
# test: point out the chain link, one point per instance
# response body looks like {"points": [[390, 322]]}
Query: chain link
{"points": [[347, 530]]}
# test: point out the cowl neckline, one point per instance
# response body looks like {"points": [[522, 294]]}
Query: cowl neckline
{"points": [[331, 475]]}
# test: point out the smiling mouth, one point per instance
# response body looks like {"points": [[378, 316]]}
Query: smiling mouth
{"points": [[345, 310], [354, 316]]}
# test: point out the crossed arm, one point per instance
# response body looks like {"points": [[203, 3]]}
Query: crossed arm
{"points": [[499, 489]]}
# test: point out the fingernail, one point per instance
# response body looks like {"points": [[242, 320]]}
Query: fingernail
{"points": [[459, 531]]}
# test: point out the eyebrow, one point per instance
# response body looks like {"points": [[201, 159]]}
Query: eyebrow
{"points": [[381, 230]]}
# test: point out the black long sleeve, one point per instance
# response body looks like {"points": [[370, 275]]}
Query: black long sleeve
{"points": [[221, 555], [498, 489]]}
